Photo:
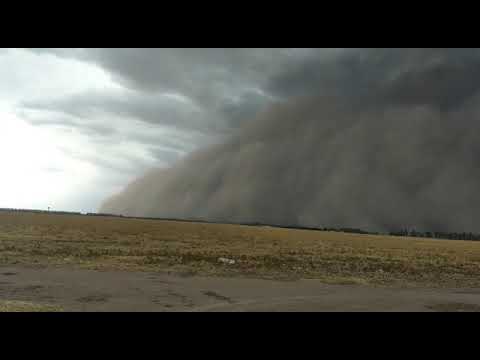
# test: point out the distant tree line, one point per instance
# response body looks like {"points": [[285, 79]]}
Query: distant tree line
{"points": [[413, 233], [56, 212], [343, 230], [103, 214], [404, 232], [41, 211], [437, 234], [350, 230]]}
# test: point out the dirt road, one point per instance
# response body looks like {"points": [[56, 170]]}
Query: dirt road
{"points": [[87, 290]]}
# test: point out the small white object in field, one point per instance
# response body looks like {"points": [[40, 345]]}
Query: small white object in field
{"points": [[226, 261]]}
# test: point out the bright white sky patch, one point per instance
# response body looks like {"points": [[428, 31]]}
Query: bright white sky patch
{"points": [[36, 172], [28, 76]]}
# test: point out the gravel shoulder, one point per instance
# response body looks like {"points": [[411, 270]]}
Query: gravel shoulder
{"points": [[69, 289]]}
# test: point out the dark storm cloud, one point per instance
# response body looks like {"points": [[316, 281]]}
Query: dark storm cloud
{"points": [[165, 154], [375, 138], [50, 116], [201, 95], [204, 73], [154, 109], [173, 139], [227, 84], [443, 78]]}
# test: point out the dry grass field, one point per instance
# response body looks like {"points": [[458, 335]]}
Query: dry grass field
{"points": [[23, 306], [265, 252]]}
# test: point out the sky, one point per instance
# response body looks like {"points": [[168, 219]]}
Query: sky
{"points": [[77, 125], [379, 139], [70, 159]]}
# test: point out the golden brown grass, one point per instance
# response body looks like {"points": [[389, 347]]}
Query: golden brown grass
{"points": [[23, 306], [154, 245]]}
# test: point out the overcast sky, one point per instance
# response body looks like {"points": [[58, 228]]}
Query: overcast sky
{"points": [[77, 125]]}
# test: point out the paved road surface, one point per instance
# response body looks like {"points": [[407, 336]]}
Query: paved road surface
{"points": [[86, 290]]}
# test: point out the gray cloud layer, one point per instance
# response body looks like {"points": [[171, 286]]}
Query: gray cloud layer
{"points": [[228, 85], [376, 138]]}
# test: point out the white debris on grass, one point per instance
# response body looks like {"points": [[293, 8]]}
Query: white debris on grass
{"points": [[226, 261]]}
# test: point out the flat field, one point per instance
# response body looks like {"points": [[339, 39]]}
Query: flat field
{"points": [[109, 243]]}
